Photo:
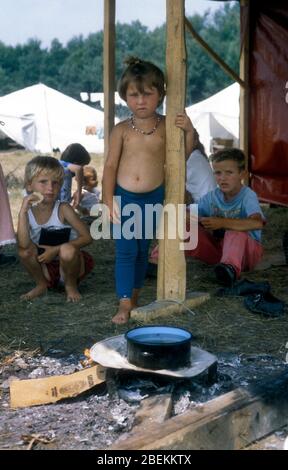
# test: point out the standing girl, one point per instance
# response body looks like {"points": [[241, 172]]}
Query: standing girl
{"points": [[134, 171]]}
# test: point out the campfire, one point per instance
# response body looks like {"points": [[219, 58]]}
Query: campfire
{"points": [[109, 411]]}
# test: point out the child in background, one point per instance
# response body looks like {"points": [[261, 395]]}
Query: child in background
{"points": [[65, 261], [90, 194], [74, 157], [234, 210], [199, 174], [134, 171]]}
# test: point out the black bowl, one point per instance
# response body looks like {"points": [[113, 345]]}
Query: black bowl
{"points": [[159, 347]]}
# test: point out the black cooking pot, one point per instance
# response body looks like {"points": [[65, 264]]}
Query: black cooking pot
{"points": [[159, 347]]}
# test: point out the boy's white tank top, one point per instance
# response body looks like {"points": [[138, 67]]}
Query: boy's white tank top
{"points": [[54, 221]]}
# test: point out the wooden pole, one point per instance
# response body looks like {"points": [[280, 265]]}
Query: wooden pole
{"points": [[109, 69], [244, 74], [171, 282], [213, 54]]}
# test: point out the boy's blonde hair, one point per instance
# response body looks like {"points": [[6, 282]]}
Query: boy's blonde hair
{"points": [[142, 73], [43, 164]]}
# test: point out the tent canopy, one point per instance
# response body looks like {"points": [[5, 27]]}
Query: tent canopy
{"points": [[42, 119], [217, 117]]}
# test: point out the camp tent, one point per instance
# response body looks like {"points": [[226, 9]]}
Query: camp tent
{"points": [[42, 119], [217, 117]]}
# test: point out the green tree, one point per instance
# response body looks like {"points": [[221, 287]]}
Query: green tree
{"points": [[53, 61], [79, 65], [30, 62], [222, 32]]}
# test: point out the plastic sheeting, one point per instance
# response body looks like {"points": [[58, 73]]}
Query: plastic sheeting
{"points": [[269, 100]]}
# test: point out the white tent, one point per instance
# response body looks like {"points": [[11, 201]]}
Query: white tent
{"points": [[42, 119], [217, 117]]}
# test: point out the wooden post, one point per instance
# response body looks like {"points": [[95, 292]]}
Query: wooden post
{"points": [[212, 53], [109, 69], [244, 75], [172, 267]]}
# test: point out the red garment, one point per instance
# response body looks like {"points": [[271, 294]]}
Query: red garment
{"points": [[236, 248], [54, 271]]}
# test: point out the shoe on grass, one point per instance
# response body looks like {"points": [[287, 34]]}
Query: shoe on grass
{"points": [[225, 274], [244, 287], [266, 304]]}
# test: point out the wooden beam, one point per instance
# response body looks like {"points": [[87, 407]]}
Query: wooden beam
{"points": [[244, 74], [229, 422], [171, 282], [213, 54], [168, 307], [109, 69], [154, 409]]}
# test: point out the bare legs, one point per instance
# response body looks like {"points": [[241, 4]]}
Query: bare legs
{"points": [[125, 306], [71, 268], [29, 260]]}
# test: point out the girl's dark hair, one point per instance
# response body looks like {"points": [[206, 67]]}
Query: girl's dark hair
{"points": [[76, 153], [198, 145], [142, 73]]}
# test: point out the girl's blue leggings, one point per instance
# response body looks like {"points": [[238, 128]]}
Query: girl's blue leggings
{"points": [[133, 236]]}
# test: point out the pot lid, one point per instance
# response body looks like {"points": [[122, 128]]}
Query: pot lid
{"points": [[112, 352]]}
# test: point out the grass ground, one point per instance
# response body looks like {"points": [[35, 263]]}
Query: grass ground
{"points": [[220, 324]]}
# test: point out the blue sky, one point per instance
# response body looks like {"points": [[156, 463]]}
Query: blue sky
{"points": [[63, 19]]}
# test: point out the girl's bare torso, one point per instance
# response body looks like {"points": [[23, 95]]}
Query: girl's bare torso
{"points": [[141, 166]]}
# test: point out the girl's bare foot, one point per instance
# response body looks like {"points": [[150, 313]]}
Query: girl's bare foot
{"points": [[73, 295], [123, 314], [39, 290]]}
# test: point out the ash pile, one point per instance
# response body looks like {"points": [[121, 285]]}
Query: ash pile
{"points": [[99, 417]]}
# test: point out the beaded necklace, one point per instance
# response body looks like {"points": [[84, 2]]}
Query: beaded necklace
{"points": [[158, 119]]}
